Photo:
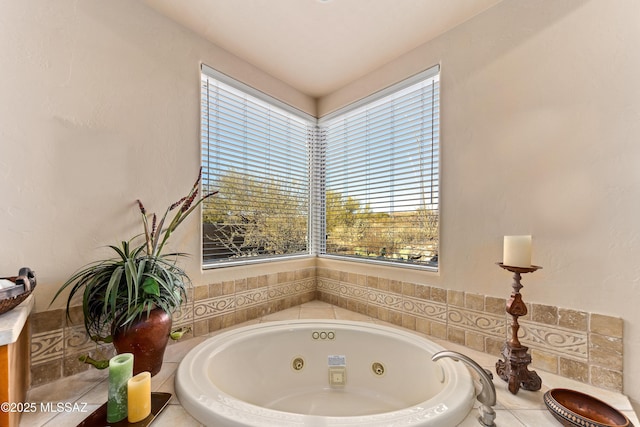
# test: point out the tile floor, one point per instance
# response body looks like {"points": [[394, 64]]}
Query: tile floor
{"points": [[90, 388]]}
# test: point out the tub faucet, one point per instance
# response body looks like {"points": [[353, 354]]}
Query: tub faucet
{"points": [[487, 396]]}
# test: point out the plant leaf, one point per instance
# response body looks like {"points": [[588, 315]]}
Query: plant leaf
{"points": [[151, 287]]}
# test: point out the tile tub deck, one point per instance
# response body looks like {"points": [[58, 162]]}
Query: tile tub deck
{"points": [[89, 389]]}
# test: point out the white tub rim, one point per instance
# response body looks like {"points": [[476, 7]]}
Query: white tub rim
{"points": [[194, 397]]}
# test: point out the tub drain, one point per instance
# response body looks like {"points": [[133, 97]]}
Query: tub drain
{"points": [[377, 368], [297, 364]]}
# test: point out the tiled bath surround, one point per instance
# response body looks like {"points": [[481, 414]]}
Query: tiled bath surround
{"points": [[56, 343], [90, 388], [582, 346]]}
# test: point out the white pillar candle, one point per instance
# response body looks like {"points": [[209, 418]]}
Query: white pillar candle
{"points": [[517, 251]]}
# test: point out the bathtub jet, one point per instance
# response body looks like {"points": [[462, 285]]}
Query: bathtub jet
{"points": [[283, 374]]}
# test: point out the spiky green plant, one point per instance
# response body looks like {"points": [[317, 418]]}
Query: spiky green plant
{"points": [[139, 278]]}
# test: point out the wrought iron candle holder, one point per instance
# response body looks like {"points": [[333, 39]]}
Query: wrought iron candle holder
{"points": [[513, 368]]}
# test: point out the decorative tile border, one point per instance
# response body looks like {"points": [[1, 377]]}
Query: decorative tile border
{"points": [[583, 346], [56, 346], [46, 346], [555, 340], [478, 321]]}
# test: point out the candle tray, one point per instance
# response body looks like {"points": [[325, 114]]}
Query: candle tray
{"points": [[98, 418]]}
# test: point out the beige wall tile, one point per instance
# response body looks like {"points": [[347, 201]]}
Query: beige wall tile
{"points": [[215, 290], [439, 295], [423, 326], [439, 330], [46, 372], [228, 287], [455, 298], [395, 317], [474, 301], [543, 360], [45, 321], [554, 339], [493, 346], [606, 325], [606, 378], [546, 314], [372, 282], [200, 327], [201, 292], [241, 285], [395, 286], [252, 282], [574, 369], [474, 340], [455, 335], [409, 322], [605, 351], [71, 366], [423, 292], [572, 319], [495, 305], [414, 306], [372, 311], [352, 278]]}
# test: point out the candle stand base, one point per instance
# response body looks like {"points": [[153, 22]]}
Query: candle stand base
{"points": [[513, 369]]}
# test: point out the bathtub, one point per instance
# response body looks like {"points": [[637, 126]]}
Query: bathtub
{"points": [[322, 373]]}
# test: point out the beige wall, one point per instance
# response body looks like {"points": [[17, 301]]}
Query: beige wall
{"points": [[100, 107], [540, 126]]}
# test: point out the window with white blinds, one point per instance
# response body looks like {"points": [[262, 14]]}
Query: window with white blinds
{"points": [[361, 183], [382, 175], [255, 154]]}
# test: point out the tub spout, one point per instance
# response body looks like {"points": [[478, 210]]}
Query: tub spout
{"points": [[487, 396]]}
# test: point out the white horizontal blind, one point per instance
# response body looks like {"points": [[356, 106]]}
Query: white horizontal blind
{"points": [[256, 155], [382, 177]]}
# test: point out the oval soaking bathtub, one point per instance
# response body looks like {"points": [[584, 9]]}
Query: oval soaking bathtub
{"points": [[322, 373]]}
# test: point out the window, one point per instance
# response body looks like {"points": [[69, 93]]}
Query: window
{"points": [[255, 153], [382, 178], [362, 183]]}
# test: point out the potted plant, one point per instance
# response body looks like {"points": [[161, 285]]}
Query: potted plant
{"points": [[128, 299]]}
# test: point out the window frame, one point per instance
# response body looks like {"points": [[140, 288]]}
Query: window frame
{"points": [[263, 98], [316, 162], [363, 103]]}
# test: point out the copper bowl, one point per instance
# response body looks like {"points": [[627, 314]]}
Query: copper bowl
{"points": [[573, 408]]}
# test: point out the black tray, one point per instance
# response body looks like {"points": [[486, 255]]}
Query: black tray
{"points": [[98, 418]]}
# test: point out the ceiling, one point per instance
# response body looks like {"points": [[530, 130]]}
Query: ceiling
{"points": [[318, 46]]}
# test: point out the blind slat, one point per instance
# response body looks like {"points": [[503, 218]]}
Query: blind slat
{"points": [[382, 178], [256, 155]]}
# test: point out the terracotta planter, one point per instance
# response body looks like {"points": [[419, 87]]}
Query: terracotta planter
{"points": [[146, 339]]}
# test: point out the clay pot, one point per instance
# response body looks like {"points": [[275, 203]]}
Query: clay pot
{"points": [[146, 339]]}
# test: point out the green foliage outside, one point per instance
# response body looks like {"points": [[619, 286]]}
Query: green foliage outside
{"points": [[249, 217], [255, 217], [353, 229]]}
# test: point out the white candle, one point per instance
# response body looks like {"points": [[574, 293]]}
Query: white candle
{"points": [[517, 251]]}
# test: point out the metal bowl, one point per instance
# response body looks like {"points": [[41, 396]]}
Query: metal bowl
{"points": [[573, 408]]}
